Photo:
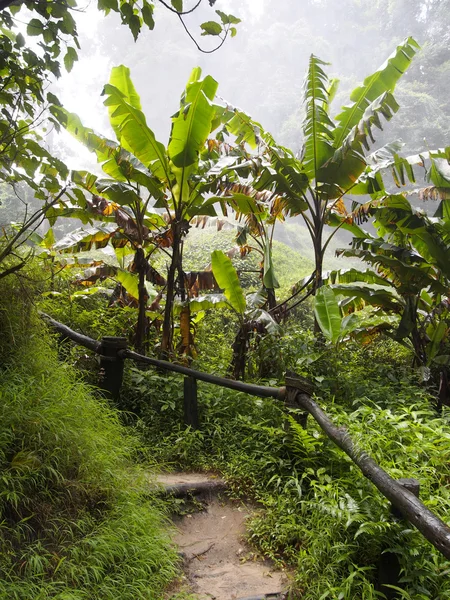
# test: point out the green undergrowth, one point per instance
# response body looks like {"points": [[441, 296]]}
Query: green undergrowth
{"points": [[318, 514], [77, 519]]}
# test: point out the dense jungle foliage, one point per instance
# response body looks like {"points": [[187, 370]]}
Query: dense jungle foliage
{"points": [[319, 248]]}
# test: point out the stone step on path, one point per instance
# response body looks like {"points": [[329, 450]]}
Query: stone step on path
{"points": [[218, 565]]}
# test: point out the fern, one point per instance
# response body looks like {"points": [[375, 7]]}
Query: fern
{"points": [[300, 441]]}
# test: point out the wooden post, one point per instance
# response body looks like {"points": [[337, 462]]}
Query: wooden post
{"points": [[296, 385], [190, 402], [111, 365], [389, 565]]}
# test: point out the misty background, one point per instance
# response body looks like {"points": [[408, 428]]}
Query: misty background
{"points": [[262, 69]]}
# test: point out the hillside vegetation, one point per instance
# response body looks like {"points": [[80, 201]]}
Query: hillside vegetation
{"points": [[77, 519]]}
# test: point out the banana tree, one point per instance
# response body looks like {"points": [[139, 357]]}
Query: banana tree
{"points": [[122, 206], [412, 257], [256, 214], [335, 157], [171, 177], [252, 317]]}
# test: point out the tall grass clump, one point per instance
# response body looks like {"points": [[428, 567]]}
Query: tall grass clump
{"points": [[77, 518]]}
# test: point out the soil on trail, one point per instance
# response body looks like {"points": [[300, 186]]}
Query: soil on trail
{"points": [[218, 564]]}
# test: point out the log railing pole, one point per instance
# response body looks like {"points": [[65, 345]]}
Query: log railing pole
{"points": [[430, 526], [111, 365], [261, 391], [294, 386]]}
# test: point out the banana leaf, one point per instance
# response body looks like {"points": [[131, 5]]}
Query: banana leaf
{"points": [[227, 279], [327, 313]]}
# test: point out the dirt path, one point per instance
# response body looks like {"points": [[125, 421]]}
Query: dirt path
{"points": [[218, 564]]}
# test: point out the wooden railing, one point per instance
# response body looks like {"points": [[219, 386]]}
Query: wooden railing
{"points": [[402, 493]]}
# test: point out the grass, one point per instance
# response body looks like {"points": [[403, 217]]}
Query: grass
{"points": [[77, 518]]}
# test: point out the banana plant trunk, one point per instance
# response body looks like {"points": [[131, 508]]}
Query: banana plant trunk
{"points": [[318, 257], [318, 270], [173, 275], [240, 347], [271, 298], [141, 264], [420, 355]]}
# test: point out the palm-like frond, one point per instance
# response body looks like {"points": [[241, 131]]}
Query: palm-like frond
{"points": [[402, 267], [351, 275], [383, 80], [317, 125], [348, 162], [286, 177]]}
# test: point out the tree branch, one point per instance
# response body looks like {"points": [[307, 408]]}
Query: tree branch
{"points": [[195, 41], [184, 12]]}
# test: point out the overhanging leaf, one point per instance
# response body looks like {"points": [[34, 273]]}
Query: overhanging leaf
{"points": [[383, 80], [328, 314], [227, 279], [134, 133], [192, 124], [130, 282], [211, 28]]}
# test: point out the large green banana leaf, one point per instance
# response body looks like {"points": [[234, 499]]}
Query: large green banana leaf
{"points": [[383, 80], [371, 293], [131, 126], [102, 147], [429, 237], [348, 161], [86, 238], [130, 282], [286, 177], [116, 162], [402, 267], [328, 313], [269, 278], [244, 128], [192, 124], [352, 275], [205, 302], [343, 222], [227, 279], [121, 79], [317, 125]]}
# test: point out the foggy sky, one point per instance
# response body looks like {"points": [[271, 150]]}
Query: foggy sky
{"points": [[260, 70]]}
